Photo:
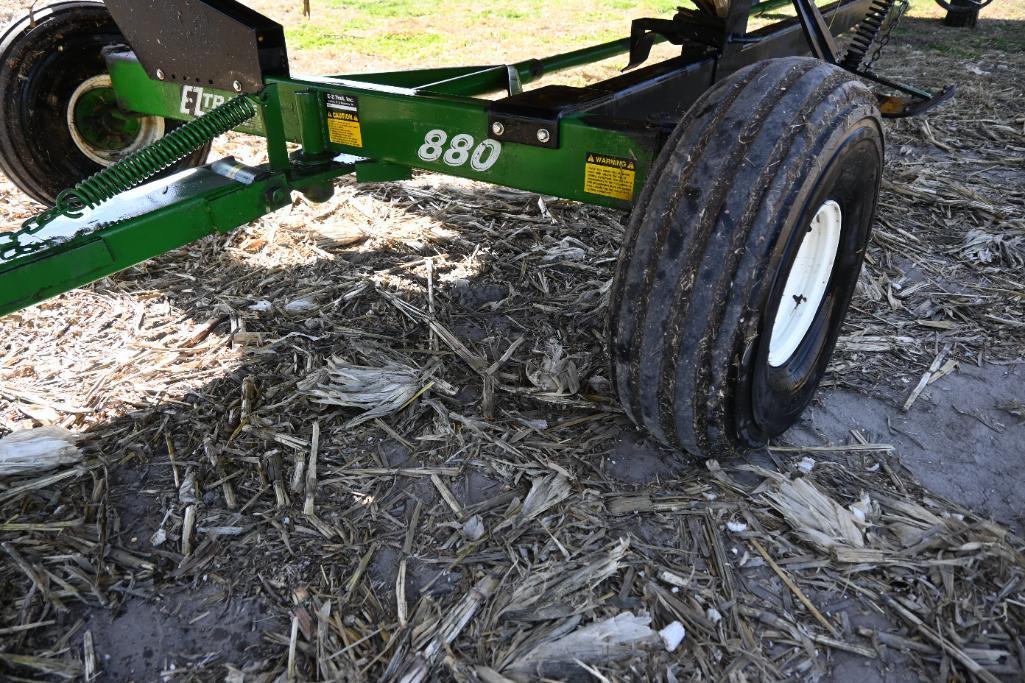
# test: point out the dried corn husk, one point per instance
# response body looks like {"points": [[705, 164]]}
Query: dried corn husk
{"points": [[31, 451]]}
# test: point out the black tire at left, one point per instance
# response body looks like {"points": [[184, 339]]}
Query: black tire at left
{"points": [[44, 57], [962, 14]]}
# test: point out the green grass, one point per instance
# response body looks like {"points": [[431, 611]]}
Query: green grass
{"points": [[1001, 28], [387, 8], [411, 33], [362, 38]]}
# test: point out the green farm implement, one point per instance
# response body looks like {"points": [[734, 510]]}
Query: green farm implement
{"points": [[750, 162]]}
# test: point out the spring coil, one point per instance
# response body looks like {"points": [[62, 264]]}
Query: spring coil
{"points": [[865, 33], [146, 163]]}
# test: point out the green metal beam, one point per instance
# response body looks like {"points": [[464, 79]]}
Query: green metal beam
{"points": [[485, 80], [140, 224], [442, 133], [481, 80]]}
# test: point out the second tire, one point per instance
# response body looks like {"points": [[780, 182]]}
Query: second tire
{"points": [[743, 253]]}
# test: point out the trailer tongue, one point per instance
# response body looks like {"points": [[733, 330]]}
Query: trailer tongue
{"points": [[733, 199], [145, 222]]}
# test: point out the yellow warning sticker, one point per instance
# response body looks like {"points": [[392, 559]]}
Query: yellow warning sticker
{"points": [[610, 176], [343, 120]]}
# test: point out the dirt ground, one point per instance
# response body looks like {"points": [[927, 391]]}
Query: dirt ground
{"points": [[195, 379]]}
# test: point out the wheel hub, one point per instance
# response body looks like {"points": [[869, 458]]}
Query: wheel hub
{"points": [[101, 130], [806, 283]]}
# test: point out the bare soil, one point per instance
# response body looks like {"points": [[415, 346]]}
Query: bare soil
{"points": [[205, 350]]}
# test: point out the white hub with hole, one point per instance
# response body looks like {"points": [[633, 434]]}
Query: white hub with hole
{"points": [[806, 283], [151, 128]]}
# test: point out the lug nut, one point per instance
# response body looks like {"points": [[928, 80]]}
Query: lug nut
{"points": [[497, 128], [543, 136]]}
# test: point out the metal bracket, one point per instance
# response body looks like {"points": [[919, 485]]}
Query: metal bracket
{"points": [[515, 84], [695, 26], [897, 107], [203, 43], [532, 117], [820, 40], [916, 102], [823, 46]]}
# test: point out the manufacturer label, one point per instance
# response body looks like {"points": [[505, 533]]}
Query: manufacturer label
{"points": [[343, 120], [196, 101], [610, 176]]}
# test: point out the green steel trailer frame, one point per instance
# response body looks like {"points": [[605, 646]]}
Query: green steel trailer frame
{"points": [[598, 144]]}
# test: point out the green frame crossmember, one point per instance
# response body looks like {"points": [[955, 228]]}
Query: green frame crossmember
{"points": [[397, 112], [378, 126]]}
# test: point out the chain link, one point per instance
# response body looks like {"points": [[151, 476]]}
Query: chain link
{"points": [[900, 9], [11, 242]]}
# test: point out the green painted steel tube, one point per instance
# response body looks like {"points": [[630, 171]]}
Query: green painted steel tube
{"points": [[480, 80], [486, 80], [198, 209], [432, 132], [312, 125], [533, 69], [145, 222], [493, 78]]}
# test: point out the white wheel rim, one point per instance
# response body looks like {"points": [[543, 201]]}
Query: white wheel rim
{"points": [[806, 283], [151, 128]]}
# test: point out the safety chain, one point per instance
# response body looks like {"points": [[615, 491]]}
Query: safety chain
{"points": [[884, 38], [10, 242]]}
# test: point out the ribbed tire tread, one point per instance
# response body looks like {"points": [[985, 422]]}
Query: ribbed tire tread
{"points": [[688, 290]]}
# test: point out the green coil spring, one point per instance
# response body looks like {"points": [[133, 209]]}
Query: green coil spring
{"points": [[146, 163]]}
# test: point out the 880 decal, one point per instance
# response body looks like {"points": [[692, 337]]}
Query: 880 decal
{"points": [[460, 149]]}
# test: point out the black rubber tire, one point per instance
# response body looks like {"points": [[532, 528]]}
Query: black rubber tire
{"points": [[44, 57], [962, 14], [712, 239]]}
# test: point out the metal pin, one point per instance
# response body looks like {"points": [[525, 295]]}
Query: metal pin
{"points": [[543, 135], [160, 74], [497, 128], [237, 86]]}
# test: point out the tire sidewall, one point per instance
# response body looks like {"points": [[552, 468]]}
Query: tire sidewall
{"points": [[770, 399], [38, 150]]}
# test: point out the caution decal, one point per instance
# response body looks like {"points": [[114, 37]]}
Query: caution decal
{"points": [[343, 120], [610, 176]]}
